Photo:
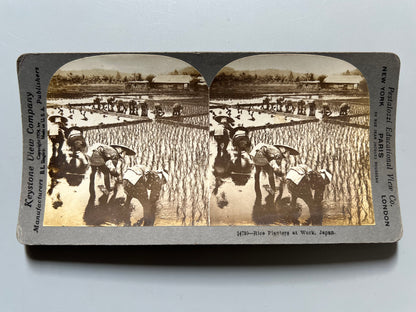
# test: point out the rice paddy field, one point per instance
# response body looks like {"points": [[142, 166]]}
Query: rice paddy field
{"points": [[341, 147], [179, 145]]}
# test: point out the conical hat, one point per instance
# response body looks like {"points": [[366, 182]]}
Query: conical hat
{"points": [[291, 150], [129, 152], [220, 117], [53, 118]]}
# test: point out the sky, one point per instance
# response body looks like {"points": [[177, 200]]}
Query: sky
{"points": [[300, 63], [158, 64], [128, 63]]}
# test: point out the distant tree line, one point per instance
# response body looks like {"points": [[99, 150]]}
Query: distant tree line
{"points": [[70, 78], [243, 77]]}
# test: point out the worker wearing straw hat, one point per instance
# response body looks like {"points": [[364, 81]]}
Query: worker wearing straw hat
{"points": [[222, 132], [301, 181], [177, 108], [158, 110], [343, 109], [137, 181], [108, 159], [326, 111], [75, 140], [266, 158], [56, 133]]}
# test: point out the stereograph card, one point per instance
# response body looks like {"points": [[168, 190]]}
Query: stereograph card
{"points": [[208, 148]]}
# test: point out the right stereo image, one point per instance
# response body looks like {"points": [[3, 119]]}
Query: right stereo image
{"points": [[289, 142]]}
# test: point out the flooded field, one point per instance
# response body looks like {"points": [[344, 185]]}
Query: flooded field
{"points": [[341, 148], [177, 147]]}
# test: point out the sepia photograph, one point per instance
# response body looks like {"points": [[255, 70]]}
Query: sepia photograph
{"points": [[289, 142], [127, 143]]}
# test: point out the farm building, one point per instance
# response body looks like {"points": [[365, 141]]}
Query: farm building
{"points": [[173, 82], [136, 85], [345, 82]]}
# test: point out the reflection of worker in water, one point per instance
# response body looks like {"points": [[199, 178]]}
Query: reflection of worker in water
{"points": [[221, 169], [158, 110], [264, 213], [137, 181], [241, 167], [76, 168], [343, 109], [109, 160], [56, 169], [312, 108], [177, 108], [326, 111], [56, 133]]}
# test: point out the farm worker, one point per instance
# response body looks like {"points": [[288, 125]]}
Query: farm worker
{"points": [[133, 107], [267, 158], [239, 110], [279, 103], [71, 108], [97, 103], [108, 159], [288, 106], [144, 108], [158, 110], [312, 108], [120, 106], [110, 104], [222, 132], [326, 111], [222, 137], [301, 107], [56, 133], [177, 109], [266, 103], [240, 139], [137, 181], [343, 109], [301, 181], [75, 140]]}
